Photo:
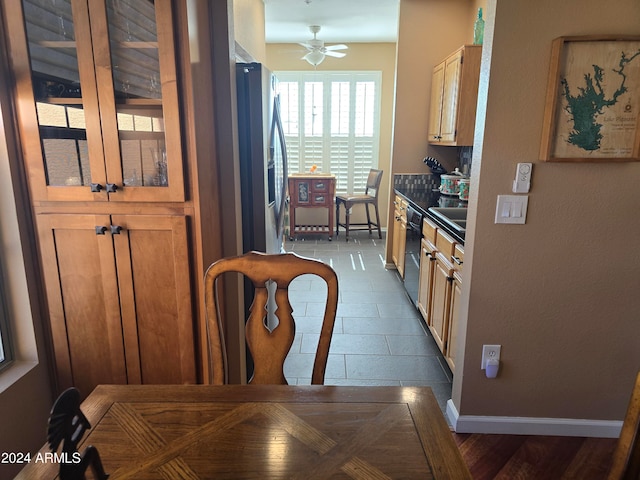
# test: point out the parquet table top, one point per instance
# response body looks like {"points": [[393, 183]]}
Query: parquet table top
{"points": [[267, 431]]}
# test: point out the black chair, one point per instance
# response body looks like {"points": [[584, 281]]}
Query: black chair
{"points": [[366, 199], [67, 426]]}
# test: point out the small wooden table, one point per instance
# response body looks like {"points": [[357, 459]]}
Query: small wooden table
{"points": [[313, 190], [267, 431]]}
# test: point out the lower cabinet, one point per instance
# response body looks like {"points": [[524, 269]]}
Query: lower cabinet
{"points": [[399, 234], [440, 288], [119, 297], [452, 334], [427, 269], [441, 300], [425, 288]]}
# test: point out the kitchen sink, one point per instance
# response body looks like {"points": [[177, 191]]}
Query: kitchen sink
{"points": [[456, 218]]}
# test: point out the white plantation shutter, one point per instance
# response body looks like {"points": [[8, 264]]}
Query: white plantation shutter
{"points": [[332, 120]]}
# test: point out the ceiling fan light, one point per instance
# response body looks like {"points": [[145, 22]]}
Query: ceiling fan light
{"points": [[315, 57]]}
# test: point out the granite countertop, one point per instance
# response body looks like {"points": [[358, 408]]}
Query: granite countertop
{"points": [[422, 197]]}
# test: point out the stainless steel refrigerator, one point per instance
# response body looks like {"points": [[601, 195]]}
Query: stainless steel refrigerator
{"points": [[263, 159]]}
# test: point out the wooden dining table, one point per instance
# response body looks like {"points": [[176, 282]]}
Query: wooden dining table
{"points": [[266, 432]]}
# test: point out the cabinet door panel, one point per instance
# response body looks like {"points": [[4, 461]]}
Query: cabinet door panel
{"points": [[425, 291], [53, 65], [450, 350], [153, 273], [435, 109], [136, 73], [82, 294], [450, 98], [440, 302]]}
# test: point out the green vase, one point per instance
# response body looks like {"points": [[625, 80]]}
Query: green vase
{"points": [[478, 29]]}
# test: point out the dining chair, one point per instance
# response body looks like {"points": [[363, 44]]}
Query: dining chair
{"points": [[626, 457], [369, 197], [271, 275]]}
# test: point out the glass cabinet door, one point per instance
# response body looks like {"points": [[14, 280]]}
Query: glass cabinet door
{"points": [[103, 77], [138, 98], [67, 162]]}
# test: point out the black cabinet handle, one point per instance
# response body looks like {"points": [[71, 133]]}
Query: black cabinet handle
{"points": [[457, 260], [112, 188], [96, 187], [116, 229], [100, 229]]}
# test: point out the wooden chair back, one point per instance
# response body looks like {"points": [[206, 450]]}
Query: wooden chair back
{"points": [[373, 182], [626, 458], [268, 348]]}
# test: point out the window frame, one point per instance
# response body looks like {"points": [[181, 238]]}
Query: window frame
{"points": [[6, 346], [361, 151]]}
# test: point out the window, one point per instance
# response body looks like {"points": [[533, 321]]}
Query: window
{"points": [[332, 120], [6, 354]]}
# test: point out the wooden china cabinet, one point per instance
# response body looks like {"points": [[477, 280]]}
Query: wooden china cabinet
{"points": [[99, 118]]}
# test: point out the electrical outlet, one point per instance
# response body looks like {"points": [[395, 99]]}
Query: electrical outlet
{"points": [[489, 352]]}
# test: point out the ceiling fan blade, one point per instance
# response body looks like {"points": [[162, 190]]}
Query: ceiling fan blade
{"points": [[340, 46], [306, 45], [335, 54]]}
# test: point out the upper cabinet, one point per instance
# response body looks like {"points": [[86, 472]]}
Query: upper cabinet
{"points": [[454, 96], [98, 79]]}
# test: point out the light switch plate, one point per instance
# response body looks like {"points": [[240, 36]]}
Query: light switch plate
{"points": [[512, 209]]}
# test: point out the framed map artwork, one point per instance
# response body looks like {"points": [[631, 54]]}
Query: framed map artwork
{"points": [[592, 111]]}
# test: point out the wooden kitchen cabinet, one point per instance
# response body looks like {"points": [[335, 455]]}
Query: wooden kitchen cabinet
{"points": [[98, 111], [119, 296], [99, 81], [399, 234], [442, 277], [453, 327], [427, 269], [454, 306], [445, 300], [454, 97]]}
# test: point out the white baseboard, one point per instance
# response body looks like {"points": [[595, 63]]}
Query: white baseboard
{"points": [[568, 427]]}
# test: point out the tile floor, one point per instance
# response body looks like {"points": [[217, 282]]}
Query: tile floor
{"points": [[379, 337]]}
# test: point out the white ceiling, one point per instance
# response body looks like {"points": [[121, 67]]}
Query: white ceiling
{"points": [[342, 21]]}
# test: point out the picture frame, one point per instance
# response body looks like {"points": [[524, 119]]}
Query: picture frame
{"points": [[592, 109]]}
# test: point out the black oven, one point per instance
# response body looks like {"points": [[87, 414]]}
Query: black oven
{"points": [[412, 253]]}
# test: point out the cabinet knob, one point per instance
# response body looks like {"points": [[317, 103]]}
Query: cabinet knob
{"points": [[116, 229], [96, 187], [398, 218], [112, 187], [100, 229]]}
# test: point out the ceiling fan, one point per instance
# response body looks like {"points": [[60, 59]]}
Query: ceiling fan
{"points": [[317, 50]]}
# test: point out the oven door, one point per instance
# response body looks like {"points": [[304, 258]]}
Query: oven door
{"points": [[412, 254]]}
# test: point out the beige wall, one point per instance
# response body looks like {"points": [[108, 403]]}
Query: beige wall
{"points": [[560, 293], [248, 27], [360, 56]]}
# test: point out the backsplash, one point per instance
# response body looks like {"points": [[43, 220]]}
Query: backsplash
{"points": [[464, 159], [416, 181]]}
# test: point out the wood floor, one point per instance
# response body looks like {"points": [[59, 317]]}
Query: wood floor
{"points": [[512, 457]]}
